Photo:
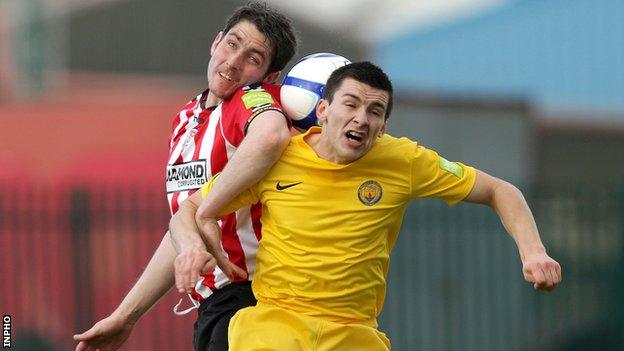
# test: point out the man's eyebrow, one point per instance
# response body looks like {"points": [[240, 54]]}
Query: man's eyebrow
{"points": [[378, 104], [373, 104], [352, 96], [235, 35], [253, 49]]}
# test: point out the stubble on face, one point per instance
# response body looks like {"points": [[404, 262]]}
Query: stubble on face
{"points": [[239, 57], [351, 122]]}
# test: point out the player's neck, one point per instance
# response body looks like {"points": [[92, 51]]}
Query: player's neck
{"points": [[322, 147], [212, 100]]}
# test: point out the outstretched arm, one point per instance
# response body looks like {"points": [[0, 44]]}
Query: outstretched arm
{"points": [[508, 202], [157, 278]]}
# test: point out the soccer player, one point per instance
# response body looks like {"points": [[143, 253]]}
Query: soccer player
{"points": [[332, 209], [229, 123]]}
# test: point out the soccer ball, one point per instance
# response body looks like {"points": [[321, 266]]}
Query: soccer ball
{"points": [[302, 87]]}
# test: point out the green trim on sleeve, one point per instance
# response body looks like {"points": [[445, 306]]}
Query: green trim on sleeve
{"points": [[451, 167]]}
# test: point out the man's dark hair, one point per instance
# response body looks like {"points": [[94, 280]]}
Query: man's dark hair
{"points": [[364, 72], [276, 27]]}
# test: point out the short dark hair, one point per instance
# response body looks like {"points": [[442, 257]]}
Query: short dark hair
{"points": [[364, 72], [276, 27]]}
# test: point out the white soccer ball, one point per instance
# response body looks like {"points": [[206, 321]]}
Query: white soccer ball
{"points": [[302, 87]]}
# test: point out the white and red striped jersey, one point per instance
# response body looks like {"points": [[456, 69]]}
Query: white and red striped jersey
{"points": [[202, 141]]}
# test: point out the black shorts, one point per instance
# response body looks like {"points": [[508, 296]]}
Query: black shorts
{"points": [[214, 315]]}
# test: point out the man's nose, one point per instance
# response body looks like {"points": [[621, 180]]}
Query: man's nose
{"points": [[360, 116], [234, 60]]}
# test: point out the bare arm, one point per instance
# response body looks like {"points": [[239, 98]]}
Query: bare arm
{"points": [[157, 278], [192, 258], [266, 139], [193, 247], [511, 207]]}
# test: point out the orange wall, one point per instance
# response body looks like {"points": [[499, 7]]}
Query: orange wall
{"points": [[99, 127]]}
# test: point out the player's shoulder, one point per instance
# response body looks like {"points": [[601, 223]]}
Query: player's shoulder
{"points": [[256, 95], [398, 150], [394, 144]]}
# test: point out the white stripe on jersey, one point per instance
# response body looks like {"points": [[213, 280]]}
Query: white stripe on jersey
{"points": [[205, 150]]}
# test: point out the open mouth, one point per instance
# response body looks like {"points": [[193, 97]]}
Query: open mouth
{"points": [[355, 136], [225, 76]]}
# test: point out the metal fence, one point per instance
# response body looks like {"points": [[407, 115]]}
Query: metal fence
{"points": [[456, 281], [70, 254]]}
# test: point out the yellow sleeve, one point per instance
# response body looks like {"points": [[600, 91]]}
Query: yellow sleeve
{"points": [[434, 176], [246, 198]]}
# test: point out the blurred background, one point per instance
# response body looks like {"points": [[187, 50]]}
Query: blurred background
{"points": [[531, 91]]}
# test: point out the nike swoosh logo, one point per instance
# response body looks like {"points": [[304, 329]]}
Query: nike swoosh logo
{"points": [[278, 186]]}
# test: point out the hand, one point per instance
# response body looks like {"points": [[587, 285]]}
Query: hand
{"points": [[211, 233], [106, 335], [542, 271], [189, 264]]}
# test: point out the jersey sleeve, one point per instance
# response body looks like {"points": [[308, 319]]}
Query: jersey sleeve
{"points": [[246, 198], [435, 177], [246, 104]]}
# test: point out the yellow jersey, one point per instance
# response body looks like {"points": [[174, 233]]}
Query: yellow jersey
{"points": [[328, 228]]}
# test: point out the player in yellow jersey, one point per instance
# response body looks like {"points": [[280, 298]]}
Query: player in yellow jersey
{"points": [[332, 209]]}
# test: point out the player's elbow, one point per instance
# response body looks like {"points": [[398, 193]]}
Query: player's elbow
{"points": [[269, 134], [276, 140], [185, 213], [504, 190]]}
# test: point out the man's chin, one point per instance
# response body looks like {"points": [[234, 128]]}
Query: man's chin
{"points": [[223, 92]]}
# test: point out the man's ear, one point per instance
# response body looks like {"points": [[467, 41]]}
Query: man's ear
{"points": [[216, 42], [321, 111], [272, 77], [382, 131]]}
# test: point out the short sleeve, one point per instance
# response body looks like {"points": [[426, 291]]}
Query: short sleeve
{"points": [[247, 103], [246, 198], [434, 176]]}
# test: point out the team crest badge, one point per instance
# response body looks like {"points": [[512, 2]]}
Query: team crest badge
{"points": [[370, 192]]}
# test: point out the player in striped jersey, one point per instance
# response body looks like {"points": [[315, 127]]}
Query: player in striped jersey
{"points": [[233, 122], [332, 209]]}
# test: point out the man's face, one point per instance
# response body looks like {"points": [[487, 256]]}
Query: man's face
{"points": [[239, 57], [352, 122]]}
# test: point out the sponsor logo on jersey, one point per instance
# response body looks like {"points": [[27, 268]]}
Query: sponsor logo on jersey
{"points": [[186, 176], [370, 192], [256, 98], [451, 167]]}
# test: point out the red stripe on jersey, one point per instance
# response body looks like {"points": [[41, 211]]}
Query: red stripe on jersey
{"points": [[231, 127], [231, 243], [174, 203], [197, 296], [256, 214], [207, 281]]}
